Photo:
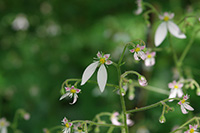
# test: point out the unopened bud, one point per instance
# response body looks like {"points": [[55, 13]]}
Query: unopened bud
{"points": [[162, 119], [97, 130]]}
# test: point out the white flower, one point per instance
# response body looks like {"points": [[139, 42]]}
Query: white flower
{"points": [[3, 125], [167, 25], [115, 119], [142, 81], [67, 125], [175, 89], [102, 72], [185, 105], [138, 52], [192, 129], [20, 22], [150, 60], [71, 92]]}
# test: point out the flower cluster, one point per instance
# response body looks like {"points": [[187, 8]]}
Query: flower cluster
{"points": [[71, 92], [192, 129], [140, 53], [67, 125], [103, 59]]}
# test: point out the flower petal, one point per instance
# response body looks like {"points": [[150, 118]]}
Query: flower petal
{"points": [[102, 77], [99, 55], [3, 130], [161, 33], [75, 98], [106, 56], [180, 92], [108, 62], [63, 96], [188, 107], [142, 55], [174, 30], [136, 56], [88, 72], [172, 94], [183, 110]]}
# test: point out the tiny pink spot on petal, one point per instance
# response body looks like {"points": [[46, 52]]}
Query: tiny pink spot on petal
{"points": [[67, 88], [107, 56], [78, 90]]}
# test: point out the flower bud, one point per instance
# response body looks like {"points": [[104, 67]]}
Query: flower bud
{"points": [[162, 119], [97, 130], [198, 91], [142, 81]]}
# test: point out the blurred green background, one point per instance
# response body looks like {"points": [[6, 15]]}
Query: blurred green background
{"points": [[42, 43]]}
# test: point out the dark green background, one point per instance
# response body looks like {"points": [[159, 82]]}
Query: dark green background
{"points": [[34, 62]]}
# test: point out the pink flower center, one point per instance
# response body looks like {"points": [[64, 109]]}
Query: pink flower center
{"points": [[73, 91]]}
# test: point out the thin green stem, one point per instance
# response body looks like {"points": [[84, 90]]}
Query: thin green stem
{"points": [[152, 88], [152, 7], [151, 106], [188, 47], [186, 17], [95, 123]]}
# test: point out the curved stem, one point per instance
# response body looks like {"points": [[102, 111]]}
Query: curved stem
{"points": [[186, 123], [95, 123], [152, 7], [151, 106]]}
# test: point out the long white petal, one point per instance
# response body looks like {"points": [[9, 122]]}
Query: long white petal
{"points": [[63, 96], [174, 30], [4, 130], [102, 77], [161, 33], [88, 72], [180, 92], [187, 106]]}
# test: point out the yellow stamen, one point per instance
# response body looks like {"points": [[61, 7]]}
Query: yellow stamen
{"points": [[182, 101], [176, 86], [192, 130], [137, 49], [102, 60], [149, 56], [67, 125], [166, 18], [2, 124], [73, 91]]}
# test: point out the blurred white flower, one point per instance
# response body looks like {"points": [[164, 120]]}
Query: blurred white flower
{"points": [[150, 59], [115, 119], [20, 22], [176, 89], [192, 129], [3, 125]]}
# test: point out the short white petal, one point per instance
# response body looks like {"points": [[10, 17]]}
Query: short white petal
{"points": [[88, 72], [180, 92], [63, 96], [188, 107], [147, 62], [136, 56], [183, 110], [172, 95], [174, 30], [75, 99], [102, 77], [161, 33]]}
